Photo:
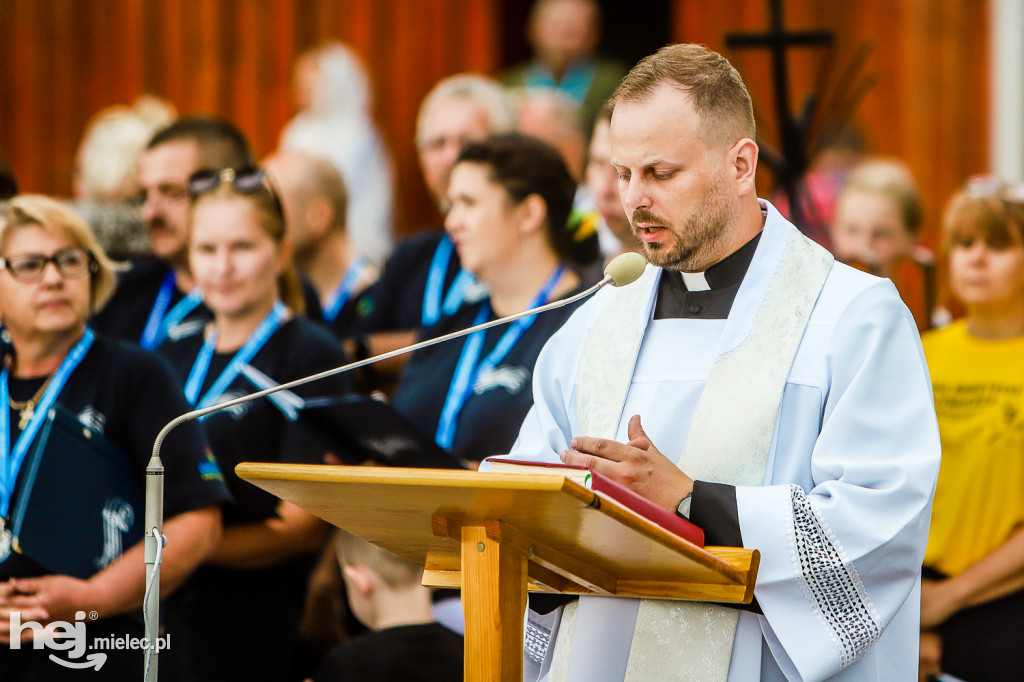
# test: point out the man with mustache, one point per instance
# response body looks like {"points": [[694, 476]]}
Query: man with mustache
{"points": [[776, 398], [155, 298]]}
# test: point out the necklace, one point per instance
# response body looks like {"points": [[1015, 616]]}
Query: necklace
{"points": [[26, 408]]}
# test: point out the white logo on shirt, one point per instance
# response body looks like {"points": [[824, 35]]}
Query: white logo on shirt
{"points": [[118, 516], [186, 328], [512, 379], [92, 418]]}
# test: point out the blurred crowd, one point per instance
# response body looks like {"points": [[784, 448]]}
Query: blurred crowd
{"points": [[187, 272]]}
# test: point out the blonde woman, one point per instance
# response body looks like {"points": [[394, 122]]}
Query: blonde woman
{"points": [[79, 416], [249, 593]]}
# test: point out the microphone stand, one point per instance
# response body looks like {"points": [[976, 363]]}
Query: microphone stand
{"points": [[155, 540]]}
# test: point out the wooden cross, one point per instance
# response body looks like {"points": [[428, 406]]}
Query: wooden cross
{"points": [[792, 131]]}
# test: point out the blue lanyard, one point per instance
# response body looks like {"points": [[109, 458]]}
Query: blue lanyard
{"points": [[160, 322], [343, 294], [575, 83], [10, 461], [433, 306], [255, 342], [467, 368]]}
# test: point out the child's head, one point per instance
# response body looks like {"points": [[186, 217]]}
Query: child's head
{"points": [[369, 571], [983, 236], [878, 215]]}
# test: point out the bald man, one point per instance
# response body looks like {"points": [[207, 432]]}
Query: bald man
{"points": [[315, 202]]}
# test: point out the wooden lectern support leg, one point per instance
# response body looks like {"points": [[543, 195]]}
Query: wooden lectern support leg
{"points": [[494, 602]]}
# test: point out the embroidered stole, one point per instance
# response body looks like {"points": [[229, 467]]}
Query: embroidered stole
{"points": [[678, 639]]}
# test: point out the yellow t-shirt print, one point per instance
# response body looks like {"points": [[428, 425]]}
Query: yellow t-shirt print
{"points": [[979, 399]]}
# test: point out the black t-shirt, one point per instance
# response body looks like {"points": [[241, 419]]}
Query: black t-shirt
{"points": [[395, 301], [126, 313], [259, 431], [347, 323], [490, 419], [129, 395], [412, 653], [243, 623]]}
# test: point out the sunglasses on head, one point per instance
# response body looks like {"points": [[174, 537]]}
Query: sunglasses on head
{"points": [[248, 180], [981, 186]]}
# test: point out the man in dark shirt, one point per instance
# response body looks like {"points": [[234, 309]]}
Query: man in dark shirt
{"points": [[155, 300]]}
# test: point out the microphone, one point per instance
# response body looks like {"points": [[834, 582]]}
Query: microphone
{"points": [[624, 269]]}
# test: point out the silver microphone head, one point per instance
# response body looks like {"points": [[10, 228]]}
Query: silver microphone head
{"points": [[625, 268]]}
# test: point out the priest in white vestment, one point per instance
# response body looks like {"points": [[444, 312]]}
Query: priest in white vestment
{"points": [[778, 399]]}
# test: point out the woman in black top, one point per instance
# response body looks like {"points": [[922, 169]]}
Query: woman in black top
{"points": [[78, 419], [511, 196], [249, 594]]}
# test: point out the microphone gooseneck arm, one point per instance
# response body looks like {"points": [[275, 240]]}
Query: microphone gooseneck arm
{"points": [[202, 412]]}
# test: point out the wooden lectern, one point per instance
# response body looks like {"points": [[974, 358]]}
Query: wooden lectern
{"points": [[494, 535]]}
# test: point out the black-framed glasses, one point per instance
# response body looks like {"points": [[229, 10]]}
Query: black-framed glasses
{"points": [[71, 262], [981, 186], [248, 180]]}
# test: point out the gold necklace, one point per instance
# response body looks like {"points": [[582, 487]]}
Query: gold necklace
{"points": [[26, 408]]}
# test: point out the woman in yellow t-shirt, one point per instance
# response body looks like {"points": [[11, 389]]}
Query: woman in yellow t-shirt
{"points": [[972, 596]]}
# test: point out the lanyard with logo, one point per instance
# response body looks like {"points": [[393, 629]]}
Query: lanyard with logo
{"points": [[160, 321], [343, 294], [11, 460], [433, 306], [468, 367], [253, 344]]}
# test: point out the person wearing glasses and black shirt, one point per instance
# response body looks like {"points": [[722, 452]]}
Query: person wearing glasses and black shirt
{"points": [[79, 413], [157, 299], [249, 593]]}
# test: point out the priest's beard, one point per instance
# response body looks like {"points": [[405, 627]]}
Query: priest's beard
{"points": [[696, 245]]}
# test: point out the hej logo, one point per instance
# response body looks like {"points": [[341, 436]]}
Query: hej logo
{"points": [[71, 638]]}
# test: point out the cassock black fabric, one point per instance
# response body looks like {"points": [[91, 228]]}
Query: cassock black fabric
{"points": [[724, 278]]}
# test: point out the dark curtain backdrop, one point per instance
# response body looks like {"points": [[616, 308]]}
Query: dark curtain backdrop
{"points": [[63, 60]]}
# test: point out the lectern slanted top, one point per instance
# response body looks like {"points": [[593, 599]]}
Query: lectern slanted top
{"points": [[489, 533]]}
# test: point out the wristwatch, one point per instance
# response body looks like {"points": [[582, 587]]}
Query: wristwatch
{"points": [[683, 508]]}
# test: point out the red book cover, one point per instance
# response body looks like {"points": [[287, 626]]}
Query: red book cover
{"points": [[621, 494]]}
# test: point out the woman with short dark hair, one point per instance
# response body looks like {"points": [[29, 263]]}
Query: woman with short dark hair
{"points": [[511, 196]]}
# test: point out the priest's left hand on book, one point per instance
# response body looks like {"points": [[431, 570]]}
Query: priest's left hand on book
{"points": [[638, 465]]}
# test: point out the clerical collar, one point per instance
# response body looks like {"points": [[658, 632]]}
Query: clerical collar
{"points": [[695, 281], [708, 295]]}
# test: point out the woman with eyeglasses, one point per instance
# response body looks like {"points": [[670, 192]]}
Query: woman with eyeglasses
{"points": [[972, 596], [78, 419], [249, 593]]}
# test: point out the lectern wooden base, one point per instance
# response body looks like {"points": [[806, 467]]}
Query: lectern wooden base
{"points": [[496, 535]]}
